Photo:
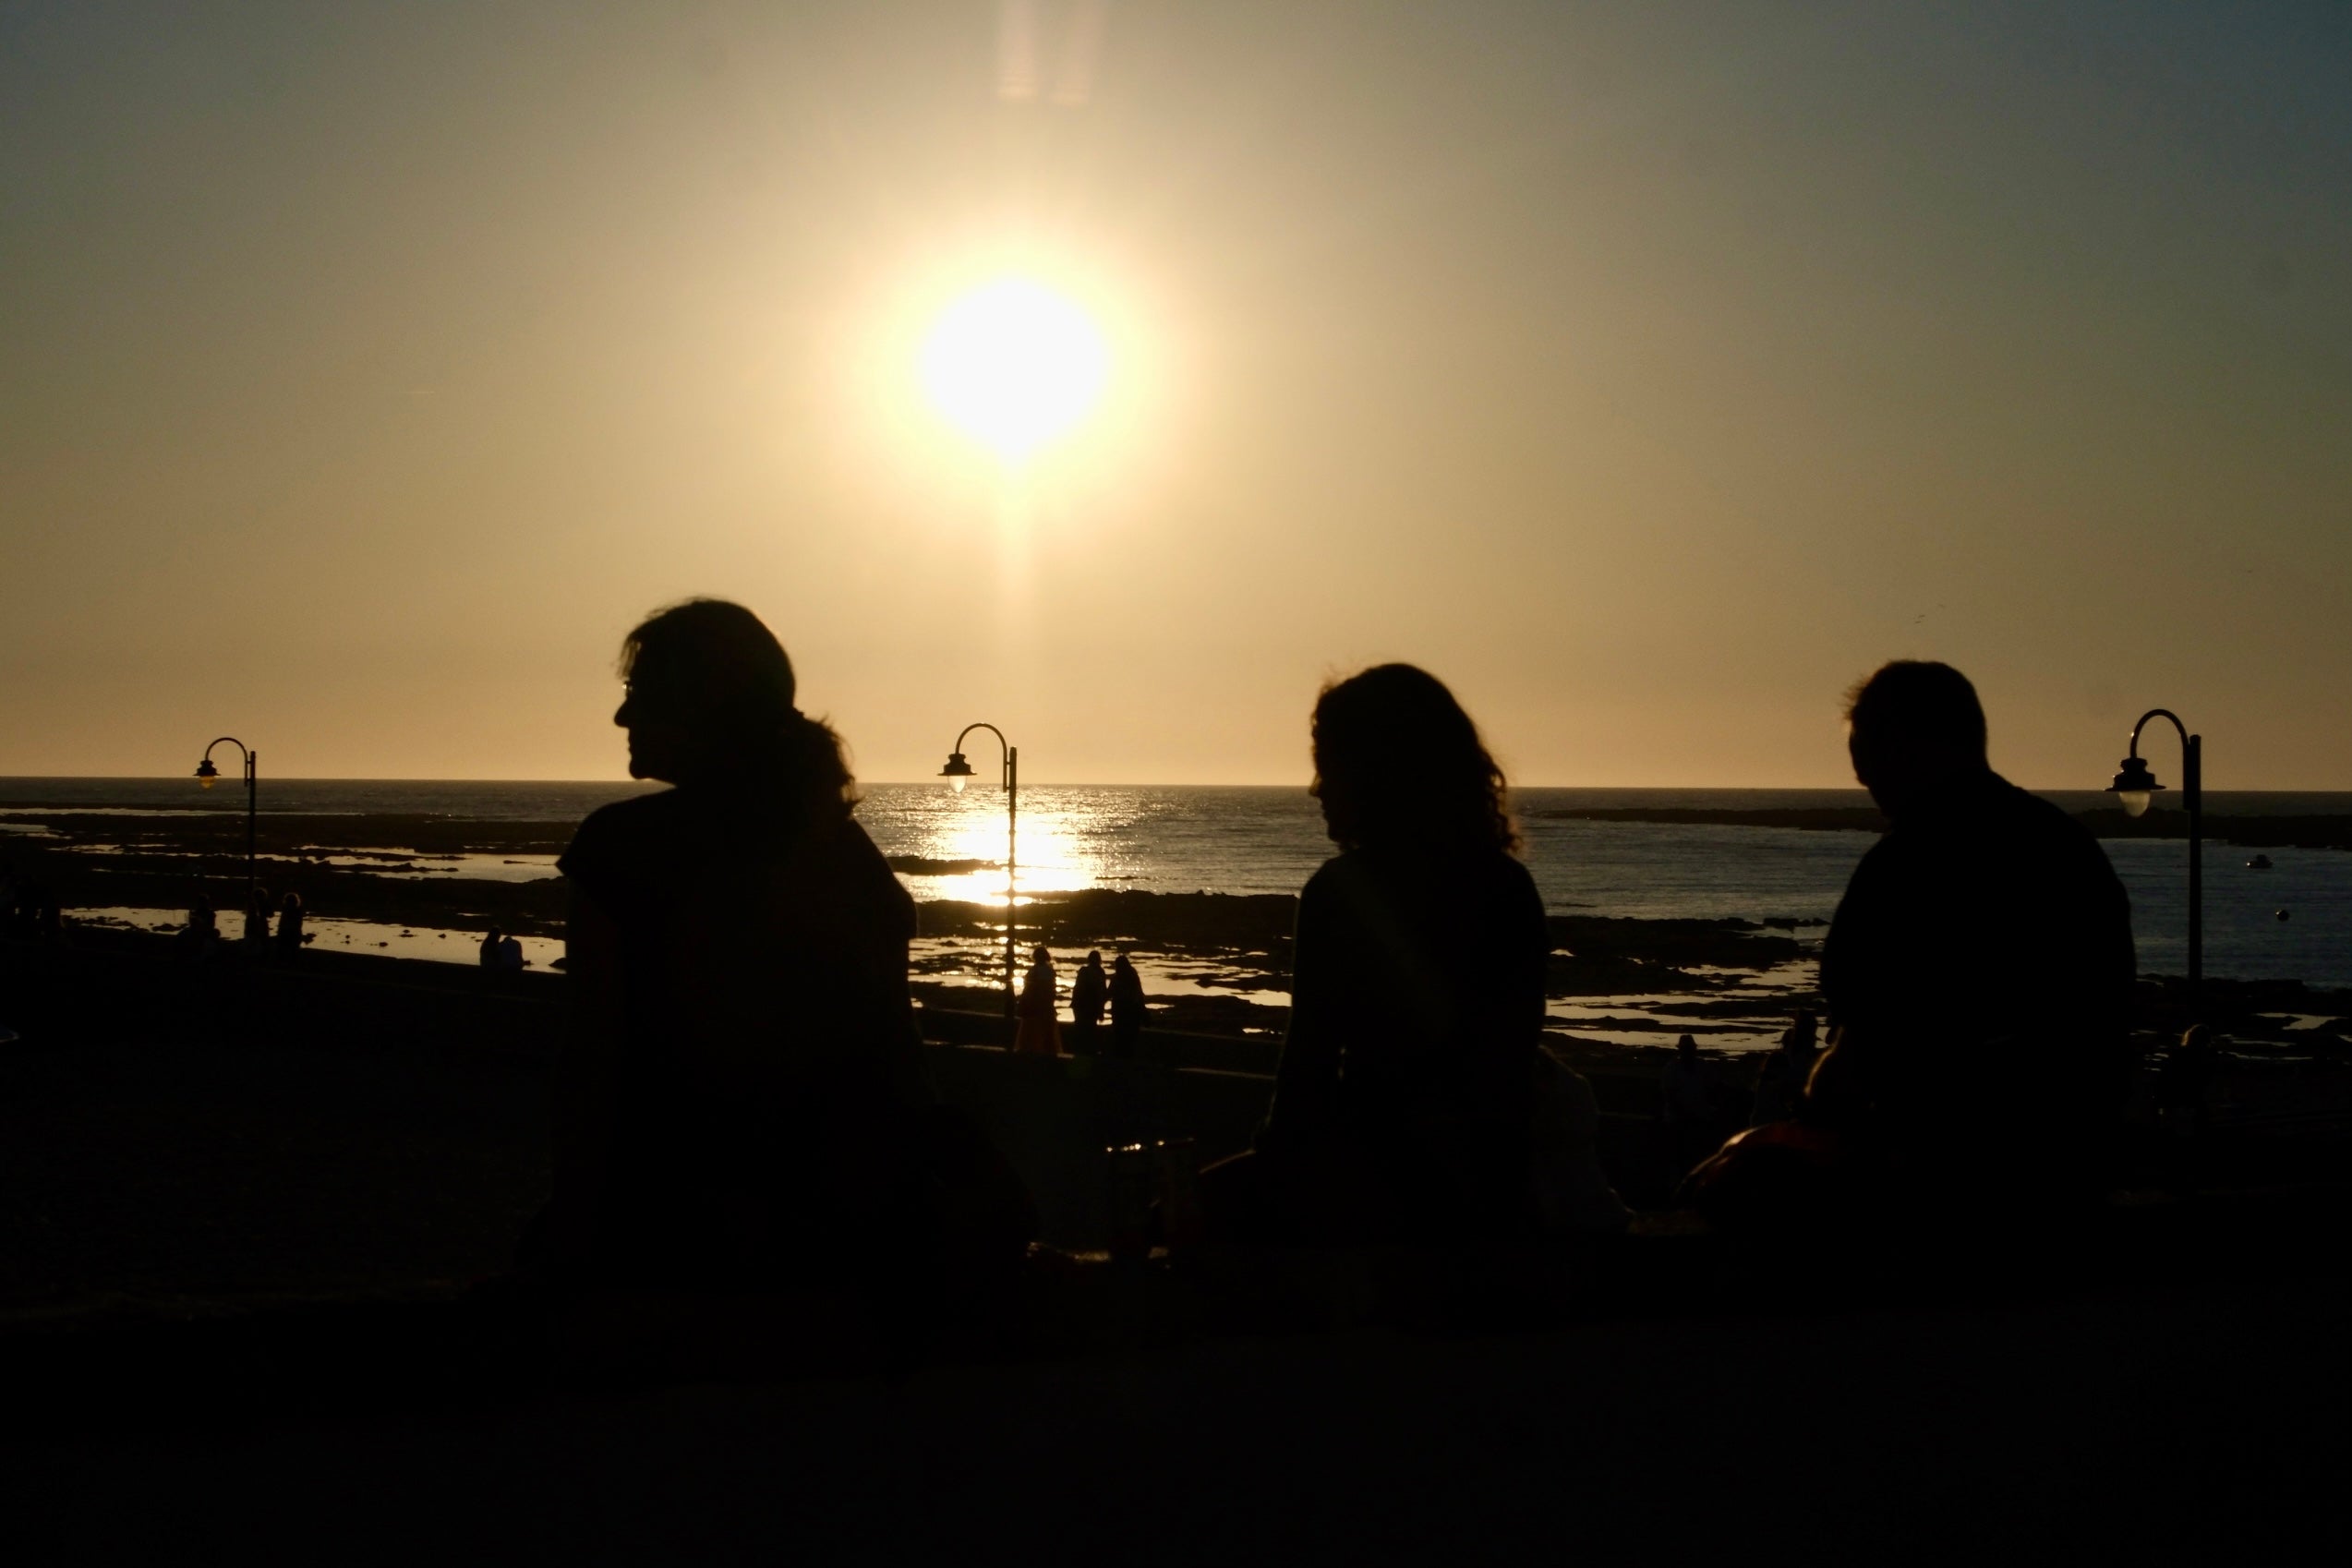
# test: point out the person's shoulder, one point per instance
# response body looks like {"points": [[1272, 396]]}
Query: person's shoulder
{"points": [[1510, 871], [615, 830], [853, 848], [1340, 868], [638, 813], [862, 861], [2022, 812]]}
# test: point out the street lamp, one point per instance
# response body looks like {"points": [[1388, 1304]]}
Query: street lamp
{"points": [[956, 771], [206, 772], [2135, 786]]}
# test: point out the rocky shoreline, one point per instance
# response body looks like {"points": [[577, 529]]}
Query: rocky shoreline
{"points": [[1219, 962]]}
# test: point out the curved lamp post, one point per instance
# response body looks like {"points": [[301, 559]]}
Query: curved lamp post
{"points": [[956, 771], [206, 772], [2136, 786]]}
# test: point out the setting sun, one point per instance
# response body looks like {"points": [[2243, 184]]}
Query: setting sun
{"points": [[1015, 365]]}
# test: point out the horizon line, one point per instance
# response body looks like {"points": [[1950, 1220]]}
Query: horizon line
{"points": [[1855, 789]]}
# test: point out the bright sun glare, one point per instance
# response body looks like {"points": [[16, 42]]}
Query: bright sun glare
{"points": [[1015, 365]]}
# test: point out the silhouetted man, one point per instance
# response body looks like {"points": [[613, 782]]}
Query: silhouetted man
{"points": [[1980, 966]]}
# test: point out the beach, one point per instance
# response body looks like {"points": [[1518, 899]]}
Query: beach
{"points": [[1671, 911]]}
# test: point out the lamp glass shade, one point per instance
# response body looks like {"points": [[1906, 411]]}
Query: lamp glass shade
{"points": [[206, 772], [957, 783], [2135, 786]]}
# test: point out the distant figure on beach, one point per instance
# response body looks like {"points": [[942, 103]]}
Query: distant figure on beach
{"points": [[1690, 1102], [202, 929], [1779, 1083], [289, 934], [1090, 993], [1040, 1032], [492, 949], [257, 920], [1404, 1103], [743, 1103], [1984, 937], [1128, 1006], [1686, 1085]]}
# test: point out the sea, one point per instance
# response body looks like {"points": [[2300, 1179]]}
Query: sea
{"points": [[2290, 920]]}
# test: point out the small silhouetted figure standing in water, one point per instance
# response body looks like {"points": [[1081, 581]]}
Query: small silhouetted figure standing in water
{"points": [[1041, 1030], [1089, 993], [743, 1103], [1128, 1006], [1403, 1104], [1984, 940]]}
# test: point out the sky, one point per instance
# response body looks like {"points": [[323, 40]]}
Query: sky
{"points": [[1648, 373]]}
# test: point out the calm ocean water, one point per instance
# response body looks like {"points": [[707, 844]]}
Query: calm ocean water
{"points": [[1247, 840]]}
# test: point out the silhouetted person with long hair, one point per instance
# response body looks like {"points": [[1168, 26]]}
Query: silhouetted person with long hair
{"points": [[742, 1101], [202, 931], [1983, 940], [289, 933], [255, 934], [1402, 1106], [1090, 993], [1040, 1033], [1128, 1006]]}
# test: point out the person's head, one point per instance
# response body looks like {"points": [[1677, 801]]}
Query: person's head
{"points": [[1039, 956], [1123, 963], [1804, 1032], [1913, 729], [1398, 762], [1094, 959], [291, 901], [710, 698], [496, 934]]}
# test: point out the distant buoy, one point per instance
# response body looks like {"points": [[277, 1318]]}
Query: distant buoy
{"points": [[2281, 915], [2259, 863]]}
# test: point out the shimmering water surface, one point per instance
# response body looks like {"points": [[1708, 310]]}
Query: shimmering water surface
{"points": [[1270, 839]]}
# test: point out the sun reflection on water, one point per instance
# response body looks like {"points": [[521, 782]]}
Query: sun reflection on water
{"points": [[1059, 850]]}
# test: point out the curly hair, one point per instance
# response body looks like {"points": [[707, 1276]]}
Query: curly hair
{"points": [[722, 672], [1397, 761]]}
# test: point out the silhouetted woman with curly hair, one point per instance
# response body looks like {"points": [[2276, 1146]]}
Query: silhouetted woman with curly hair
{"points": [[1402, 1106], [743, 1103]]}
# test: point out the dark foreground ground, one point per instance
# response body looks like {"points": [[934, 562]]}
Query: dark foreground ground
{"points": [[2204, 1427], [244, 1220]]}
